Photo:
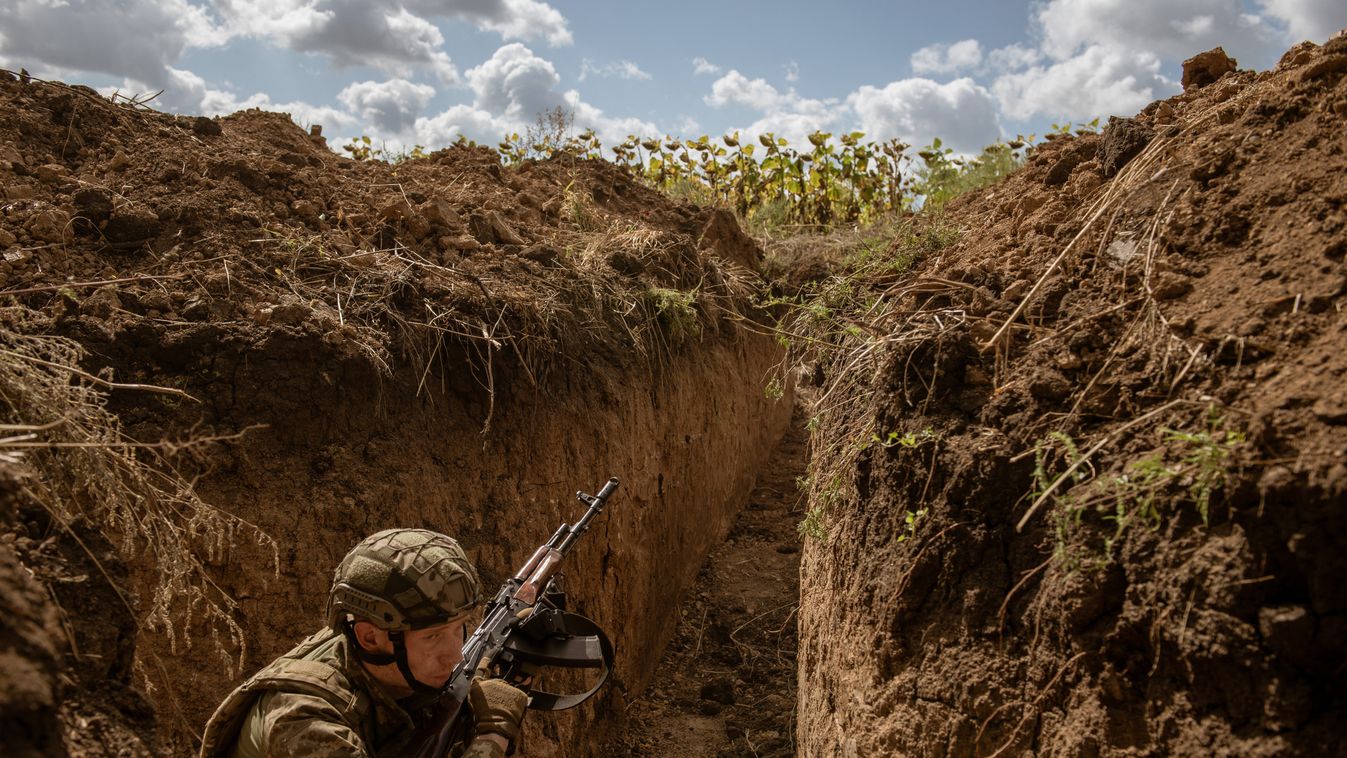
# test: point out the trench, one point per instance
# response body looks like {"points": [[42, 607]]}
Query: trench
{"points": [[708, 463], [344, 453], [726, 684]]}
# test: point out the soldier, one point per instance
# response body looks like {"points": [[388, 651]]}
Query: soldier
{"points": [[397, 618]]}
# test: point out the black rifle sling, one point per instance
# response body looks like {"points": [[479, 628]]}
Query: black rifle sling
{"points": [[564, 640]]}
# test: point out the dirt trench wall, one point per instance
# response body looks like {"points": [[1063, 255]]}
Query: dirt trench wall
{"points": [[1119, 530], [30, 632], [346, 454]]}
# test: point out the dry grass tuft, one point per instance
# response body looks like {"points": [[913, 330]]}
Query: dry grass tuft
{"points": [[82, 468]]}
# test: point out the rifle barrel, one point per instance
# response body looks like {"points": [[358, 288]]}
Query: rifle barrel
{"points": [[596, 504]]}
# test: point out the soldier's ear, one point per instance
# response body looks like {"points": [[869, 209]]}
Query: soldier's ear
{"points": [[371, 637]]}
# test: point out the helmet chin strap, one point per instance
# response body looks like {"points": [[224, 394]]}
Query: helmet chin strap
{"points": [[398, 656], [400, 653]]}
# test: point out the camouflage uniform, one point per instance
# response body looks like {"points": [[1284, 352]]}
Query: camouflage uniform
{"points": [[318, 699]]}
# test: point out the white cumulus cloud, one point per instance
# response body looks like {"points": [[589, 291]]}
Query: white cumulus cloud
{"points": [[358, 33], [189, 93], [512, 19], [293, 19], [280, 19], [784, 114], [961, 113], [701, 66], [390, 106], [1013, 57], [611, 129], [615, 70], [736, 89], [138, 39], [394, 36], [1314, 20], [465, 120], [798, 123], [1100, 81], [941, 58], [1107, 57], [1168, 29], [511, 90], [515, 84]]}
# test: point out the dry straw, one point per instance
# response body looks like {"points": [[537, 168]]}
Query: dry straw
{"points": [[74, 460]]}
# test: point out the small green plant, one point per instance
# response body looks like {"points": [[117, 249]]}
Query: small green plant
{"points": [[823, 497], [812, 526], [1198, 461], [362, 149], [945, 176], [1133, 495], [676, 310], [909, 440], [774, 390], [911, 520], [405, 154], [1068, 128], [1205, 459], [1067, 510], [578, 208]]}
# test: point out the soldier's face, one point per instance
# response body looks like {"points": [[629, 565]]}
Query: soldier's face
{"points": [[434, 651]]}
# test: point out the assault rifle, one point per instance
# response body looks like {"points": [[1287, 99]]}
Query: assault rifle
{"points": [[525, 627]]}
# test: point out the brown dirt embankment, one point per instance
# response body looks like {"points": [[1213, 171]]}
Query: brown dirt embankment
{"points": [[440, 343], [1087, 494]]}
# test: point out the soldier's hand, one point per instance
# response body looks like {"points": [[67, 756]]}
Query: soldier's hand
{"points": [[498, 707]]}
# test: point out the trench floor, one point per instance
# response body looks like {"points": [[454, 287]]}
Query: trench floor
{"points": [[726, 684]]}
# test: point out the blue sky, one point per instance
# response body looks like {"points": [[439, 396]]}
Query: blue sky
{"points": [[424, 71]]}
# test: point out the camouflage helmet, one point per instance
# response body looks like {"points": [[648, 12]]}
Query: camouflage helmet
{"points": [[401, 579]]}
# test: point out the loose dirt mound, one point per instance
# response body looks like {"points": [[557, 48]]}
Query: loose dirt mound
{"points": [[248, 219], [438, 343], [1136, 350]]}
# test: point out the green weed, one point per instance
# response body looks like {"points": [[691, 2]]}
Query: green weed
{"points": [[676, 310], [908, 440], [1067, 510], [824, 497], [945, 176], [1198, 462], [774, 390], [361, 149], [812, 526], [1205, 459], [911, 520]]}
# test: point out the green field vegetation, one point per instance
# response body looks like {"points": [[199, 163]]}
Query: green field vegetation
{"points": [[774, 187], [836, 180]]}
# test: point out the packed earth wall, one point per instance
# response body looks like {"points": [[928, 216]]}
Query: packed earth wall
{"points": [[1085, 495]]}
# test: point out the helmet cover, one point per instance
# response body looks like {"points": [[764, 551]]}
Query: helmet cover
{"points": [[401, 579]]}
